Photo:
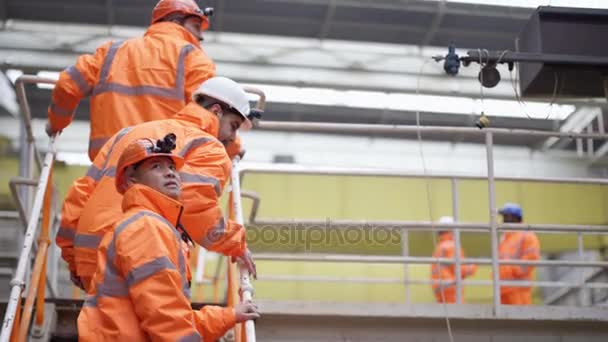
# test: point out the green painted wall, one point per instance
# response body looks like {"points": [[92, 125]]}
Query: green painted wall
{"points": [[370, 198], [373, 198]]}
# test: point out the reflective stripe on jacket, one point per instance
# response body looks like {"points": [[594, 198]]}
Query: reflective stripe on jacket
{"points": [[93, 204], [141, 289], [130, 82], [447, 273], [520, 245]]}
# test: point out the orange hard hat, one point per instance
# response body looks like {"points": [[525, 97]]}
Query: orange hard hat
{"points": [[188, 7], [143, 149]]}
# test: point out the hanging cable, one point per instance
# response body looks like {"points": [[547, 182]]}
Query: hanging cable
{"points": [[428, 196]]}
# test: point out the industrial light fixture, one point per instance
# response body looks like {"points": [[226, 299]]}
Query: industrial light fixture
{"points": [[489, 76]]}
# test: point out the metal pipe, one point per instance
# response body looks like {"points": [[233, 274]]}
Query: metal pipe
{"points": [[405, 252], [255, 205], [531, 57], [366, 129], [334, 171], [385, 259], [27, 116], [246, 287], [581, 257], [579, 147], [18, 282], [590, 151], [14, 192], [512, 283], [425, 225], [32, 291], [457, 244], [261, 103]]}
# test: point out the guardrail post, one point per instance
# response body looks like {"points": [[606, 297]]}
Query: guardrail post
{"points": [[405, 251], [582, 295], [493, 225]]}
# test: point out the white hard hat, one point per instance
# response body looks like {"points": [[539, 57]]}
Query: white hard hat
{"points": [[228, 92], [446, 219]]}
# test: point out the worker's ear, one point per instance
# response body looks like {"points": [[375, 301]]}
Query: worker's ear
{"points": [[131, 177], [216, 109]]}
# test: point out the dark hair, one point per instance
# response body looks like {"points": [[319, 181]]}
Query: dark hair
{"points": [[166, 145]]}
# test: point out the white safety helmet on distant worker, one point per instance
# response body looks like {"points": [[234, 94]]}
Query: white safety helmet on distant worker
{"points": [[228, 92]]}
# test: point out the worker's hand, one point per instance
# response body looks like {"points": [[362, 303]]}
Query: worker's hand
{"points": [[246, 311], [247, 260], [76, 280], [49, 130]]}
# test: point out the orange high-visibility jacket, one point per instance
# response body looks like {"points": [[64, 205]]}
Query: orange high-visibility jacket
{"points": [[521, 245], [141, 289], [130, 82], [92, 204], [447, 249]]}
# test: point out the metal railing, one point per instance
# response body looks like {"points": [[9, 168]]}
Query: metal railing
{"points": [[16, 323], [493, 227]]}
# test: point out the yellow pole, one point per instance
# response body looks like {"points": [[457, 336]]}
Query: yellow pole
{"points": [[32, 291]]}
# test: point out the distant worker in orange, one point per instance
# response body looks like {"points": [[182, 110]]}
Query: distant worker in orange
{"points": [[137, 80], [445, 292], [141, 291], [516, 245]]}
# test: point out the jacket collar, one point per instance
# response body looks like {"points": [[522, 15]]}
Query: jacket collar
{"points": [[173, 30], [140, 196], [201, 117]]}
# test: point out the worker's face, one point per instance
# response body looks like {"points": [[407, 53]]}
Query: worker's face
{"points": [[229, 125], [193, 25], [509, 218], [160, 174]]}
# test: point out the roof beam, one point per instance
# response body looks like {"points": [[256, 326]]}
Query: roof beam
{"points": [[576, 122], [517, 13]]}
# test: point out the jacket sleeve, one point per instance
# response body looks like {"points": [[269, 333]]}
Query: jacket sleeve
{"points": [[203, 177], [75, 82], [148, 258], [530, 250], [75, 201], [73, 205], [199, 68], [213, 322]]}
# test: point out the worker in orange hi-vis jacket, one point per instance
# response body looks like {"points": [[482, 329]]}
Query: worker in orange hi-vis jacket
{"points": [[516, 245], [203, 127], [137, 80], [446, 248], [141, 289]]}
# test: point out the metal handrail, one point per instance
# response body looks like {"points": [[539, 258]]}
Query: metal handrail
{"points": [[365, 280], [366, 129], [428, 225], [372, 172], [245, 281], [22, 216], [14, 325], [492, 226], [25, 109], [18, 282]]}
